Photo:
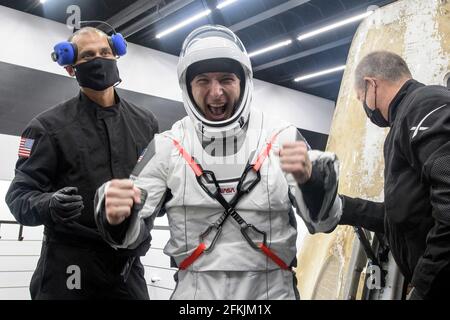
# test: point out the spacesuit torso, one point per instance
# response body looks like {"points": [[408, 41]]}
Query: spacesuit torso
{"points": [[267, 206]]}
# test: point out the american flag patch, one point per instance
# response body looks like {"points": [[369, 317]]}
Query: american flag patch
{"points": [[142, 155], [25, 147]]}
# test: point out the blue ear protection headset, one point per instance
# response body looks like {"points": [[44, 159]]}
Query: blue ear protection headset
{"points": [[66, 52]]}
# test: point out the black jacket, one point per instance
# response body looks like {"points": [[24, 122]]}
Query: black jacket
{"points": [[77, 143], [415, 215]]}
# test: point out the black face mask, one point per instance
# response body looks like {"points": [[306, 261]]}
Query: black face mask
{"points": [[97, 74], [374, 115]]}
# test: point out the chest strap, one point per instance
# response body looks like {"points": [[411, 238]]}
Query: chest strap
{"points": [[201, 248]]}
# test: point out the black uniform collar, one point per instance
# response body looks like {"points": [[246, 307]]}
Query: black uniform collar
{"points": [[407, 88], [101, 112]]}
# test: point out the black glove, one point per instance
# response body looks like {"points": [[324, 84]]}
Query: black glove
{"points": [[326, 173], [65, 205], [320, 190]]}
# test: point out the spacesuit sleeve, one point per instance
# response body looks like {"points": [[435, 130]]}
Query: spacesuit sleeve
{"points": [[317, 201], [149, 174]]}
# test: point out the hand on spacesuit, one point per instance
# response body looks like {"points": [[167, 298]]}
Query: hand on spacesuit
{"points": [[294, 159], [120, 196]]}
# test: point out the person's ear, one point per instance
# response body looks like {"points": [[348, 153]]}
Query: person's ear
{"points": [[371, 81], [70, 71]]}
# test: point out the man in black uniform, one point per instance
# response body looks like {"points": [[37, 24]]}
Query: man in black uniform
{"points": [[415, 214], [66, 153]]}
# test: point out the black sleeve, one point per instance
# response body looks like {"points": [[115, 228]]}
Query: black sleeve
{"points": [[432, 273], [30, 191], [117, 232], [430, 153], [362, 213], [155, 125], [313, 190]]}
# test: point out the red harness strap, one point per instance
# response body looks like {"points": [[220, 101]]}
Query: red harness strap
{"points": [[274, 257], [198, 172], [194, 256], [190, 161], [263, 155]]}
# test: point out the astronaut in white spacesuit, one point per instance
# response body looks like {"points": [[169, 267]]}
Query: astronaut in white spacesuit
{"points": [[228, 177]]}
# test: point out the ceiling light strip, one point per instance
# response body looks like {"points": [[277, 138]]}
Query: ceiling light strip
{"points": [[184, 23], [270, 48], [334, 26], [225, 3], [320, 73]]}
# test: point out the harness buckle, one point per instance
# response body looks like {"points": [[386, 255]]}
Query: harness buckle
{"points": [[204, 234], [244, 230]]}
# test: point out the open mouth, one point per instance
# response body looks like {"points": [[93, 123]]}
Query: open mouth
{"points": [[217, 111]]}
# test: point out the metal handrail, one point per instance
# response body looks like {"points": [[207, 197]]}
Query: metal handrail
{"points": [[20, 236]]}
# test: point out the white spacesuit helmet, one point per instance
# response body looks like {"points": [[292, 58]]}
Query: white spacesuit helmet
{"points": [[219, 44]]}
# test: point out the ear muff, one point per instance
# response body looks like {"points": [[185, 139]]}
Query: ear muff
{"points": [[118, 44], [65, 53]]}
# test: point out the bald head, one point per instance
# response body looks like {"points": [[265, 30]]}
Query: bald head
{"points": [[91, 43], [86, 31]]}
